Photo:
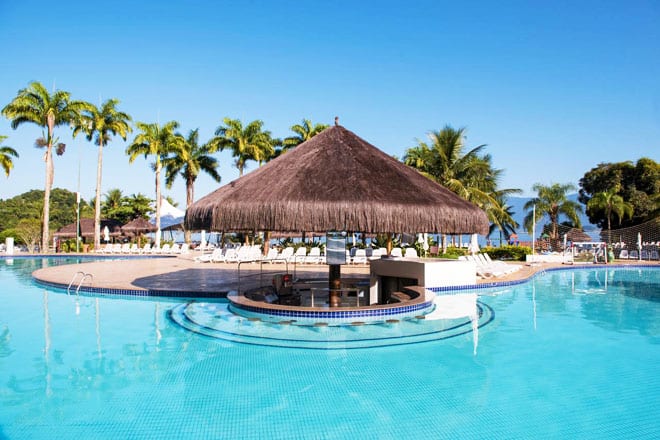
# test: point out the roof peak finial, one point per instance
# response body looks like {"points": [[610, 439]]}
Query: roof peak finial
{"points": [[336, 121]]}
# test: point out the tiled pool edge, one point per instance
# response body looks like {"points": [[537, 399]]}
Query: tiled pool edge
{"points": [[223, 294], [150, 293]]}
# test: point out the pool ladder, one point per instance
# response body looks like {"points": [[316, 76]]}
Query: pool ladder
{"points": [[82, 280]]}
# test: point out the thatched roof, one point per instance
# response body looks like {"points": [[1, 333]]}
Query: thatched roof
{"points": [[138, 226], [87, 228], [335, 181], [577, 235]]}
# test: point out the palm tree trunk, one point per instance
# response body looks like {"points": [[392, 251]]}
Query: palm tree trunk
{"points": [[158, 232], [190, 198], [97, 202], [45, 233]]}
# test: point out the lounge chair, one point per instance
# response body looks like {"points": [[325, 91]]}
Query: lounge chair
{"points": [[285, 255], [411, 253], [314, 256], [300, 255], [272, 255], [214, 257], [624, 254], [360, 256], [396, 252]]}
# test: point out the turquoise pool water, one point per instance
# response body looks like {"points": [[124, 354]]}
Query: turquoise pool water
{"points": [[570, 354]]}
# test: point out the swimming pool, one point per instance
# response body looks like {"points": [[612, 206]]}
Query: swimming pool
{"points": [[572, 353]]}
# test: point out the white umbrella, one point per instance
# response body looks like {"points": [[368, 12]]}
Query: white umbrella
{"points": [[473, 247], [639, 244], [202, 240], [106, 234], [425, 244]]}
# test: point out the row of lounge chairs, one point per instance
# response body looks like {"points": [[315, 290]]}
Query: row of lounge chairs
{"points": [[636, 255], [487, 268], [299, 256], [147, 249]]}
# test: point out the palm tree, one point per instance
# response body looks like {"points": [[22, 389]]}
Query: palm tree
{"points": [[303, 132], [612, 203], [501, 216], [158, 141], [470, 175], [467, 174], [140, 205], [189, 161], [6, 154], [552, 201], [246, 143], [35, 105], [100, 124]]}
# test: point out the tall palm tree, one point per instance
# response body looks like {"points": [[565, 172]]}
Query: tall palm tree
{"points": [[470, 174], [6, 154], [612, 203], [303, 132], [246, 143], [35, 105], [189, 161], [99, 124], [501, 216], [158, 141], [552, 201]]}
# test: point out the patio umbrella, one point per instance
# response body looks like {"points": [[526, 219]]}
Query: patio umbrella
{"points": [[106, 234], [138, 226], [473, 247]]}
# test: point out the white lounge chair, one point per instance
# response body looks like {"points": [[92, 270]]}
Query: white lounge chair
{"points": [[214, 257], [272, 255], [624, 254], [285, 255], [396, 252], [411, 253], [300, 255], [314, 256], [360, 256]]}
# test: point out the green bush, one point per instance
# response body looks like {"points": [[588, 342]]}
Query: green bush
{"points": [[516, 253]]}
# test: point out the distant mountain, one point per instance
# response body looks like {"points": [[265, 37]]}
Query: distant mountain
{"points": [[517, 204]]}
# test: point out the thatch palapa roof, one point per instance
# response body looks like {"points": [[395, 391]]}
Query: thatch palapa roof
{"points": [[335, 181], [87, 228], [138, 225]]}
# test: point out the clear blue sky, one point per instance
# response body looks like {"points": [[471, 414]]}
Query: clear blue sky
{"points": [[553, 88]]}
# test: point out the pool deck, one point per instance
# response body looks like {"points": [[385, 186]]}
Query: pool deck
{"points": [[182, 274]]}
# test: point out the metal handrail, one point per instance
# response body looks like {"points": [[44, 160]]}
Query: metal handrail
{"points": [[82, 280]]}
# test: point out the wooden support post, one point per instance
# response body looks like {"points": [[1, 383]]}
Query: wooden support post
{"points": [[334, 285]]}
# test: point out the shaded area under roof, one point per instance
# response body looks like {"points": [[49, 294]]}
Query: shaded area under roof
{"points": [[335, 181]]}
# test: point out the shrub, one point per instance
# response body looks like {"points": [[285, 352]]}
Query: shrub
{"points": [[516, 253]]}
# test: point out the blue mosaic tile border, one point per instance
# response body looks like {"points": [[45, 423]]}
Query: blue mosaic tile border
{"points": [[540, 272], [90, 257], [134, 292], [327, 314]]}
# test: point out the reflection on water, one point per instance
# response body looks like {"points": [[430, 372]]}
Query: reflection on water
{"points": [[459, 305]]}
